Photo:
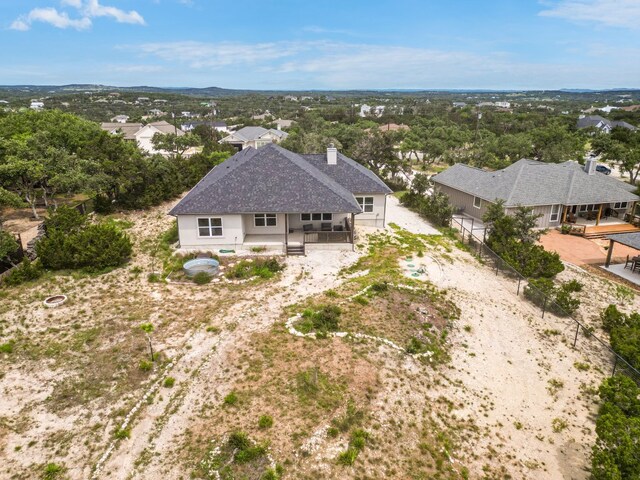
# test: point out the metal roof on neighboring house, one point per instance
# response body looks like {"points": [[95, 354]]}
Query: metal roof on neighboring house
{"points": [[274, 180], [530, 183]]}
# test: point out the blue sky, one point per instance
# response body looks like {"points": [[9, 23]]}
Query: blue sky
{"points": [[326, 44]]}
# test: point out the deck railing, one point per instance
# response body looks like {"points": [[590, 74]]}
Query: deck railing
{"points": [[327, 237]]}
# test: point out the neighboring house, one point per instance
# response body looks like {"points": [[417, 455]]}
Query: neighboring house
{"points": [[120, 119], [219, 126], [255, 137], [282, 123], [35, 105], [603, 124], [559, 192], [459, 104], [368, 110], [142, 134], [281, 200]]}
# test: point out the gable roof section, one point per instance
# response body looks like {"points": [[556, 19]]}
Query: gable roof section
{"points": [[531, 183], [270, 179], [599, 122], [128, 130], [348, 173]]}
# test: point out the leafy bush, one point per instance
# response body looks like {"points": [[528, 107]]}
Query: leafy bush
{"points": [[72, 243], [6, 347], [265, 421], [231, 399], [201, 278], [169, 382], [513, 238], [26, 271], [559, 299], [246, 450], [612, 318], [8, 245], [435, 207], [616, 454], [52, 471], [325, 319]]}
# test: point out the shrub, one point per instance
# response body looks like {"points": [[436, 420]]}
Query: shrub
{"points": [[52, 471], [201, 278], [65, 219], [26, 271], [325, 319], [123, 433], [6, 347], [169, 382], [246, 450], [231, 399], [90, 247], [435, 207], [616, 454], [260, 267], [145, 365], [265, 421], [153, 278], [559, 299], [612, 318]]}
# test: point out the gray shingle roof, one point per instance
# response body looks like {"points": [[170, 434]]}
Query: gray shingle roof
{"points": [[530, 183], [348, 173], [595, 120], [270, 179], [629, 239]]}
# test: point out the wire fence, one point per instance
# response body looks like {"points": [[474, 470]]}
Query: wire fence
{"points": [[573, 331]]}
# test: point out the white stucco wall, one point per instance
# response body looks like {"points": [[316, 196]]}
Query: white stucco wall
{"points": [[375, 218], [232, 232]]}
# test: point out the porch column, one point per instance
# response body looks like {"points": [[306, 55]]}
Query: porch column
{"points": [[286, 229], [564, 213], [609, 254], [599, 215], [353, 229]]}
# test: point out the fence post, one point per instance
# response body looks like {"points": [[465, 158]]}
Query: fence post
{"points": [[518, 292], [575, 340], [497, 263], [615, 364], [544, 306]]}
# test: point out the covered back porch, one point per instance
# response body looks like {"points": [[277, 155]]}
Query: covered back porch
{"points": [[296, 232], [598, 220]]}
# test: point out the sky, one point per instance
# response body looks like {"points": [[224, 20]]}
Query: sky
{"points": [[323, 44]]}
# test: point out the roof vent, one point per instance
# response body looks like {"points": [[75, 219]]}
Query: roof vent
{"points": [[590, 166], [332, 155]]}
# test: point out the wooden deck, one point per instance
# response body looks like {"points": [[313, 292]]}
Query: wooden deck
{"points": [[602, 230]]}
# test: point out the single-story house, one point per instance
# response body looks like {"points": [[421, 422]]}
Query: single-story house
{"points": [[603, 124], [255, 137], [559, 192], [143, 134], [216, 125], [277, 199]]}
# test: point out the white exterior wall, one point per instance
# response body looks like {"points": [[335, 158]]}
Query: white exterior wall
{"points": [[144, 136], [232, 232], [375, 218], [251, 229]]}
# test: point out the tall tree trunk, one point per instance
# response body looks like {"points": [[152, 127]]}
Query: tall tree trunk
{"points": [[32, 203]]}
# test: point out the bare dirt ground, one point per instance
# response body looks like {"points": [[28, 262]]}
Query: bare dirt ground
{"points": [[514, 400]]}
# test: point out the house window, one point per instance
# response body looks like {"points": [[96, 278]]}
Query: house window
{"points": [[620, 205], [265, 220], [366, 204], [317, 217], [477, 202], [555, 213], [210, 227]]}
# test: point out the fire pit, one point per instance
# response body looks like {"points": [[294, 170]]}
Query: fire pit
{"points": [[55, 301]]}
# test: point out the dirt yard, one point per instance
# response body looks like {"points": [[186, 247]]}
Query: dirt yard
{"points": [[508, 396]]}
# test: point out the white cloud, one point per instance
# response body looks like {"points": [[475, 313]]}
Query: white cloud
{"points": [[92, 8], [88, 9], [341, 65], [52, 17], [610, 13]]}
